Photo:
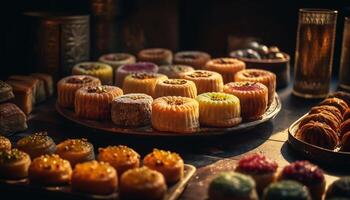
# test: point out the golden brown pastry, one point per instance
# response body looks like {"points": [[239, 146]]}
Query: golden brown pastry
{"points": [[345, 96], [76, 151], [14, 164], [6, 92], [158, 56], [37, 84], [176, 87], [345, 142], [330, 110], [37, 144], [48, 82], [5, 144], [196, 59], [344, 128], [117, 59], [320, 117], [12, 119], [227, 67], [99, 70], [175, 71], [23, 96], [206, 81], [338, 103], [346, 115]]}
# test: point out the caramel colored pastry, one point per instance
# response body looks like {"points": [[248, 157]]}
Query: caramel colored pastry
{"points": [[23, 96], [37, 85], [117, 59], [12, 119], [330, 110], [67, 87], [132, 110], [94, 102], [253, 97], [262, 76], [48, 83], [346, 115], [5, 144], [219, 109], [206, 81], [37, 144], [14, 164], [342, 95], [156, 55], [142, 83], [338, 103], [76, 151], [345, 142], [175, 114], [176, 87], [122, 158], [344, 128], [99, 70], [321, 117], [318, 134], [95, 178], [6, 92], [227, 67], [196, 59], [167, 163], [142, 183], [175, 71]]}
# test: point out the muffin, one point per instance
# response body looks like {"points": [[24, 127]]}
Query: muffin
{"points": [[23, 96], [206, 81], [14, 164], [37, 85], [6, 92], [289, 190], [339, 189], [336, 102], [116, 60], [345, 142], [5, 144], [176, 87], [227, 67], [76, 151], [102, 71], [37, 144], [48, 83], [321, 117], [175, 114], [329, 110], [158, 56], [12, 119], [196, 59], [175, 71]]}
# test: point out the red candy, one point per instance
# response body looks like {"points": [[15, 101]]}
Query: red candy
{"points": [[257, 163], [304, 172]]}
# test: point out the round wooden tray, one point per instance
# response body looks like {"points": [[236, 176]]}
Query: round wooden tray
{"points": [[109, 127]]}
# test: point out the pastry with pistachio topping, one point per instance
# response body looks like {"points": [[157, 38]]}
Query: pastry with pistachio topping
{"points": [[5, 144], [176, 87], [14, 164], [288, 190], [227, 67], [196, 59], [102, 71], [175, 71], [6, 92], [117, 59], [219, 109], [206, 81], [142, 83], [95, 178], [175, 114], [94, 102], [76, 151], [37, 144], [158, 56]]}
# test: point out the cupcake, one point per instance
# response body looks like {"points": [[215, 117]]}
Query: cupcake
{"points": [[116, 60], [156, 55], [99, 70], [227, 67], [339, 189], [286, 190], [175, 71], [37, 144], [5, 144], [344, 128], [12, 119], [336, 102], [219, 109], [196, 59], [14, 164], [95, 102], [176, 87], [206, 81], [76, 151], [175, 114], [345, 142], [321, 117], [6, 92], [329, 110]]}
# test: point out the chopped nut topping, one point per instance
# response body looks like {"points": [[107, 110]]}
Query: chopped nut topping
{"points": [[218, 98], [143, 75], [252, 74], [11, 155], [134, 97], [35, 139], [175, 81], [200, 74], [175, 102], [98, 89], [90, 67], [76, 80], [224, 61]]}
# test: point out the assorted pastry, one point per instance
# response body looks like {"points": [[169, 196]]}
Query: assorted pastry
{"points": [[76, 151], [206, 81], [102, 71], [115, 60], [157, 56], [14, 164], [175, 71], [37, 144], [175, 87], [257, 51], [196, 59]]}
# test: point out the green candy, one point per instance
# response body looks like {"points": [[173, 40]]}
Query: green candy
{"points": [[286, 190]]}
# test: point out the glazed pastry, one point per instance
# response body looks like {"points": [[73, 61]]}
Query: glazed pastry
{"points": [[5, 144], [142, 183], [99, 70], [94, 102], [176, 87], [132, 110], [175, 114], [23, 96], [345, 142], [330, 110], [262, 169], [342, 95], [206, 81], [321, 117], [227, 67], [339, 189], [346, 115], [76, 151], [14, 164], [291, 190], [196, 59], [175, 71], [12, 119], [95, 178], [253, 97], [37, 144], [156, 55], [167, 163], [142, 83], [232, 185], [48, 82], [117, 59], [338, 103], [125, 70], [344, 128], [308, 174], [262, 76], [219, 109], [318, 134], [5, 92], [37, 85], [122, 158]]}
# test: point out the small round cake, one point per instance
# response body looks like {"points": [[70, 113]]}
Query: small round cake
{"points": [[339, 189], [5, 144], [253, 97], [67, 87], [175, 114], [142, 83], [288, 190], [76, 151], [321, 117], [175, 71], [158, 56], [336, 102], [219, 109], [196, 59], [176, 87], [330, 110], [344, 128], [206, 81], [14, 164], [345, 142], [346, 114], [95, 102], [37, 144], [227, 67], [115, 60], [132, 110], [102, 71]]}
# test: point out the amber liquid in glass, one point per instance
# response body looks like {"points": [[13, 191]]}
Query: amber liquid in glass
{"points": [[344, 74]]}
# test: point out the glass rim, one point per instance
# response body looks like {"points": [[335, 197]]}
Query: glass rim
{"points": [[318, 10]]}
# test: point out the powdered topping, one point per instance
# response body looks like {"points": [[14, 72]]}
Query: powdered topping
{"points": [[200, 74], [304, 172], [97, 89], [90, 67], [175, 81], [79, 80], [257, 163]]}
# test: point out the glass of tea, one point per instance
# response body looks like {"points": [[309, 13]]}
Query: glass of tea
{"points": [[344, 73]]}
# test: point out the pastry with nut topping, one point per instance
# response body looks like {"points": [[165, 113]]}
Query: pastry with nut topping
{"points": [[176, 87], [102, 71], [142, 83], [117, 59], [175, 71], [37, 144], [196, 59], [206, 81], [14, 164], [76, 151], [158, 56], [227, 67]]}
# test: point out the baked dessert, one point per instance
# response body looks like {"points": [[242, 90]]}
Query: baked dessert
{"points": [[262, 169], [115, 60], [336, 102], [48, 82], [342, 95], [227, 67], [5, 144], [206, 81], [142, 83], [346, 115], [158, 56], [23, 96], [232, 185], [175, 71], [344, 128], [95, 178], [99, 70], [175, 114], [175, 87], [167, 163], [219, 109], [14, 164], [291, 190], [67, 87], [37, 85], [122, 158], [345, 142], [307, 174], [142, 183], [5, 92], [262, 76], [253, 97], [37, 144], [132, 110], [196, 59], [76, 151], [94, 102], [321, 117], [50, 170], [339, 189], [12, 119], [330, 110]]}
